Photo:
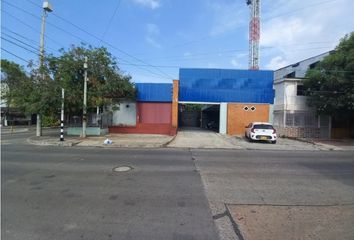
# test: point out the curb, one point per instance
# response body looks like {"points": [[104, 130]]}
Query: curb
{"points": [[55, 143], [165, 145]]}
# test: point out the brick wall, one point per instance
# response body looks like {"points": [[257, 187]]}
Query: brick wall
{"points": [[241, 114], [175, 103], [145, 128], [298, 132]]}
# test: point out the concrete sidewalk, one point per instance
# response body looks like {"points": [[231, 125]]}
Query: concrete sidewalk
{"points": [[118, 140], [190, 138], [199, 138], [293, 222]]}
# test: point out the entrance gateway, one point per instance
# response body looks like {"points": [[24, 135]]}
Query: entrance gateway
{"points": [[230, 99], [205, 115]]}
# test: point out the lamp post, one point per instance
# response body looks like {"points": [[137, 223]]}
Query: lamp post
{"points": [[47, 7], [84, 117]]}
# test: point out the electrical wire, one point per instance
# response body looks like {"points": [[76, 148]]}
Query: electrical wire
{"points": [[163, 75], [23, 37], [111, 20], [11, 53], [16, 44], [16, 39], [30, 27], [97, 38]]}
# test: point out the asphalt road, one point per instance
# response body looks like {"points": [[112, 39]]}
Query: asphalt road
{"points": [[277, 178], [72, 193]]}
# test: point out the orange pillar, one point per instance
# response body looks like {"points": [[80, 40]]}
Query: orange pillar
{"points": [[175, 104]]}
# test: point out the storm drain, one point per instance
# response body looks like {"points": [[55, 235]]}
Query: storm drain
{"points": [[122, 169]]}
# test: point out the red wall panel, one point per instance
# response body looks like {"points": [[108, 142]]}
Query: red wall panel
{"points": [[154, 112], [146, 128]]}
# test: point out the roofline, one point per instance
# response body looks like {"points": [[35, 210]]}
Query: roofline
{"points": [[329, 52], [235, 69], [287, 80]]}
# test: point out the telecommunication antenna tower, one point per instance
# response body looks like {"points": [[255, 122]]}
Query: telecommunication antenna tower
{"points": [[254, 33]]}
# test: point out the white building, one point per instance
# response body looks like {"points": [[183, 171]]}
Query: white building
{"points": [[292, 117]]}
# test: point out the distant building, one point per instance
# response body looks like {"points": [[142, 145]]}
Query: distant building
{"points": [[292, 117]]}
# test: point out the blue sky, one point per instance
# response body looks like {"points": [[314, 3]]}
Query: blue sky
{"points": [[152, 39]]}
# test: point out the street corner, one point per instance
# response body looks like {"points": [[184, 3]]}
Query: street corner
{"points": [[50, 141], [14, 129], [293, 222]]}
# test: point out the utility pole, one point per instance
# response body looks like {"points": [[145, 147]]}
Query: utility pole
{"points": [[84, 117], [46, 8], [62, 116], [254, 33]]}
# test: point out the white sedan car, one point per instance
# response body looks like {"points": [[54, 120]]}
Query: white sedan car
{"points": [[259, 131]]}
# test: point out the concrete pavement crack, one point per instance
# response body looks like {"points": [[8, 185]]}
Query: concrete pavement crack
{"points": [[234, 224]]}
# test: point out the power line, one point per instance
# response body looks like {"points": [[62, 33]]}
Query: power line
{"points": [[23, 37], [99, 39], [29, 62], [16, 44], [110, 20], [299, 9], [148, 70], [16, 39], [29, 26], [203, 38]]}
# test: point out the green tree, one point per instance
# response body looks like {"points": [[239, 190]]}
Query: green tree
{"points": [[14, 82], [330, 85], [31, 93], [105, 79]]}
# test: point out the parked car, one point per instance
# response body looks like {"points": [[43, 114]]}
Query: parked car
{"points": [[261, 131]]}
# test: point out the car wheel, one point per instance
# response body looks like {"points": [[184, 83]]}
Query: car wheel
{"points": [[274, 142]]}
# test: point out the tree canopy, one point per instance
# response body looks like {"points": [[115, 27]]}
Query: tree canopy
{"points": [[37, 94], [105, 79], [12, 77], [330, 85]]}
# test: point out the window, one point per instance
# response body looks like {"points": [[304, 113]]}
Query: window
{"points": [[313, 65], [290, 75], [263, 126], [300, 90]]}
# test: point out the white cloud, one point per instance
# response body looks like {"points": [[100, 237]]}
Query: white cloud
{"points": [[235, 63], [297, 32], [227, 17], [276, 63], [153, 4], [239, 60], [152, 29], [153, 32], [153, 42]]}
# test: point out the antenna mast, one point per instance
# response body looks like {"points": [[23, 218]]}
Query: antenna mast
{"points": [[254, 33]]}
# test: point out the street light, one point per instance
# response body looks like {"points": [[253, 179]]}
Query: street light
{"points": [[47, 7]]}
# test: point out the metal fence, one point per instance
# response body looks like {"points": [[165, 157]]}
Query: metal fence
{"points": [[102, 120], [295, 119]]}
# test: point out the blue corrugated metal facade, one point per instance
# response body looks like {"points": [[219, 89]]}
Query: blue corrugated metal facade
{"points": [[221, 85], [154, 92]]}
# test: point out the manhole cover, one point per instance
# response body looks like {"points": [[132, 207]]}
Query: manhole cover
{"points": [[122, 169]]}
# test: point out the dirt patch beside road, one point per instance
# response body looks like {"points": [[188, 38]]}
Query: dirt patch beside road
{"points": [[294, 222]]}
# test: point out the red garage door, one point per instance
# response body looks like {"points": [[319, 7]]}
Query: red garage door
{"points": [[154, 112]]}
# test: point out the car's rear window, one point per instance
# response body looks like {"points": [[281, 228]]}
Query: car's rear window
{"points": [[262, 126]]}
